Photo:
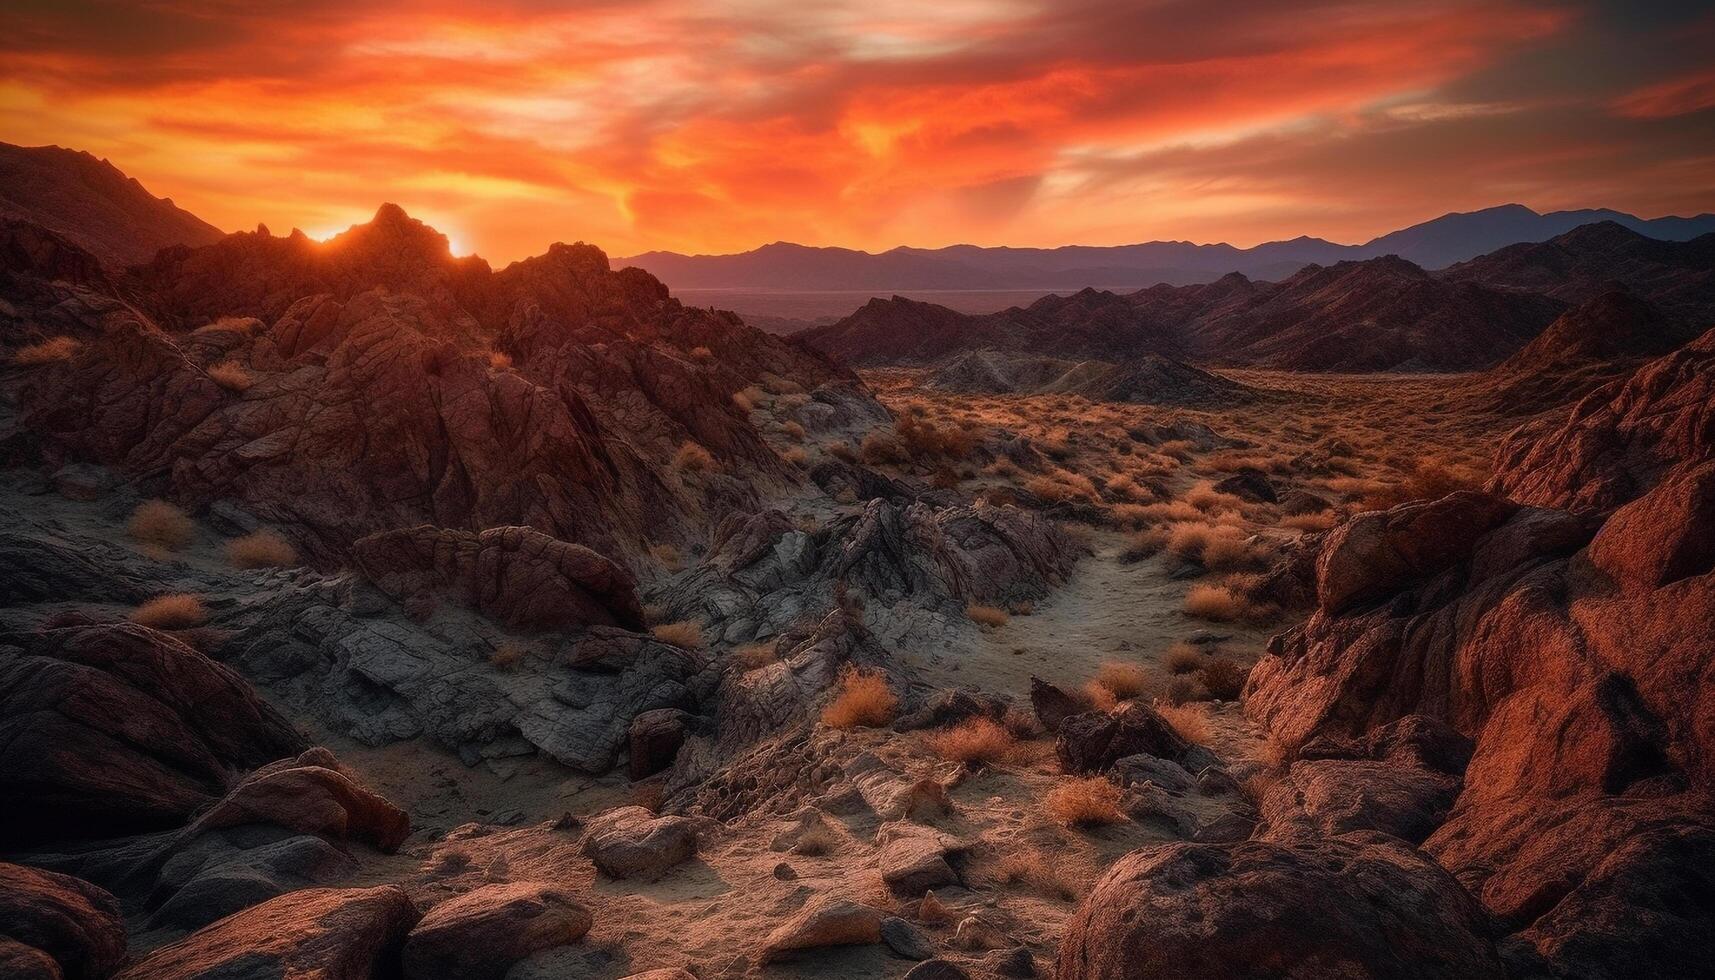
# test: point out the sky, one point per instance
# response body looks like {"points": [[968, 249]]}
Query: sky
{"points": [[720, 126]]}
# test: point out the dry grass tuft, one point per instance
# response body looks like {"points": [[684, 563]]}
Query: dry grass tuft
{"points": [[158, 523], [702, 353], [666, 556], [1144, 544], [989, 616], [1122, 680], [261, 549], [816, 840], [1181, 689], [1036, 872], [692, 458], [687, 633], [753, 655], [1098, 698], [170, 612], [231, 375], [1308, 522], [796, 456], [1225, 679], [508, 656], [863, 701], [499, 360], [794, 431], [50, 351], [1214, 602], [974, 742], [1188, 720], [1183, 658], [1089, 802]]}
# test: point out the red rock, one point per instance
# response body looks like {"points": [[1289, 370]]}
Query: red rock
{"points": [[1094, 741], [480, 934], [513, 575], [117, 729], [310, 794], [1355, 906], [71, 924], [314, 934]]}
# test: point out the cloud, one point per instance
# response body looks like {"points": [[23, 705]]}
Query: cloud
{"points": [[717, 126]]}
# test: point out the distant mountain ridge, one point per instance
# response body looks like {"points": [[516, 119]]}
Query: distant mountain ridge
{"points": [[1380, 314], [93, 204], [1434, 244]]}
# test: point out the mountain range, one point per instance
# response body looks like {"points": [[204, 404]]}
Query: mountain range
{"points": [[1378, 314], [1434, 244]]}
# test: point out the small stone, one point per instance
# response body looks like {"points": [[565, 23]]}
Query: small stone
{"points": [[785, 872], [906, 939]]}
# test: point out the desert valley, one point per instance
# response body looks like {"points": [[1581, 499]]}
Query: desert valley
{"points": [[369, 611]]}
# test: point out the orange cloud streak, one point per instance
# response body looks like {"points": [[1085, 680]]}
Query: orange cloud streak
{"points": [[698, 127]]}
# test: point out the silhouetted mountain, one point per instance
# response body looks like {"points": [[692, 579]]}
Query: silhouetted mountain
{"points": [[92, 204], [1432, 244]]}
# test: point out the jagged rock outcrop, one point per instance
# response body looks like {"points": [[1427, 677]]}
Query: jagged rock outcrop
{"points": [[70, 924], [118, 729], [339, 934], [1095, 740], [1564, 631], [515, 576], [373, 391], [1351, 906]]}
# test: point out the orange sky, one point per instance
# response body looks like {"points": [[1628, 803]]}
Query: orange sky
{"points": [[871, 123]]}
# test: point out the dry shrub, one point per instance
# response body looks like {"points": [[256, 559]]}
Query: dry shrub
{"points": [[692, 458], [231, 375], [50, 351], [666, 556], [879, 448], [794, 431], [1128, 515], [1062, 486], [687, 633], [1217, 547], [499, 360], [1308, 522], [1224, 679], [974, 742], [795, 456], [743, 400], [816, 840], [1036, 872], [170, 612], [990, 616], [1122, 680], [158, 523], [1169, 511], [1188, 720], [1021, 723], [1180, 690], [702, 353], [1429, 479], [1144, 544], [1206, 498], [863, 701], [753, 655], [1126, 486], [508, 656], [841, 451], [922, 439], [261, 549], [1183, 658], [1214, 602], [1098, 698], [1001, 468], [1089, 802]]}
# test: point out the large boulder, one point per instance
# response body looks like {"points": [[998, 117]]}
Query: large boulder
{"points": [[480, 934], [71, 924], [1095, 740], [116, 729], [310, 794], [826, 921], [325, 933], [1355, 907], [632, 842], [516, 576]]}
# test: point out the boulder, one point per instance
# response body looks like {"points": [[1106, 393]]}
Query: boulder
{"points": [[310, 794], [826, 921], [631, 842], [1354, 906], [655, 739], [906, 940], [1377, 553], [1052, 705], [1094, 741], [481, 933], [516, 576], [118, 729], [326, 933], [913, 860], [1251, 484], [56, 925]]}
